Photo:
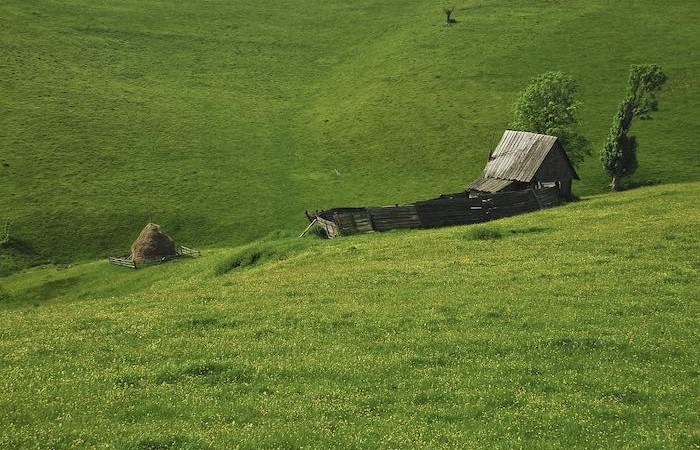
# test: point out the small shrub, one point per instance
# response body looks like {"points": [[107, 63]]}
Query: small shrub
{"points": [[484, 234]]}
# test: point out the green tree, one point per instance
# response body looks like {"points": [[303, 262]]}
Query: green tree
{"points": [[619, 154], [548, 105]]}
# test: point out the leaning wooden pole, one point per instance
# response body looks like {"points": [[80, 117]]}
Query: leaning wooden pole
{"points": [[313, 222]]}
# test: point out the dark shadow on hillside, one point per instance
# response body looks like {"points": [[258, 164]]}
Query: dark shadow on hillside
{"points": [[529, 230], [17, 254], [634, 184], [16, 246], [50, 290]]}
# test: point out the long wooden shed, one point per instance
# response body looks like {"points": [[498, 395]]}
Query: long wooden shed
{"points": [[524, 160]]}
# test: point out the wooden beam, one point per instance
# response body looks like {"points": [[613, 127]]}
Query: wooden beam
{"points": [[313, 222]]}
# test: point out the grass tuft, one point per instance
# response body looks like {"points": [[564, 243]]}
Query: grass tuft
{"points": [[484, 233]]}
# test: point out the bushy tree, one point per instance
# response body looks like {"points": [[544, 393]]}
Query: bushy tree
{"points": [[548, 106], [619, 154]]}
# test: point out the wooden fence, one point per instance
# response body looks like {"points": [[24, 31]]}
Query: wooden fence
{"points": [[127, 261], [450, 209]]}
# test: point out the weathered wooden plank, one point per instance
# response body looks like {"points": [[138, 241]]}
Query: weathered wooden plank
{"points": [[329, 227], [123, 262], [507, 198], [445, 211], [387, 218], [361, 221], [186, 251], [363, 224], [548, 197], [528, 206], [518, 155]]}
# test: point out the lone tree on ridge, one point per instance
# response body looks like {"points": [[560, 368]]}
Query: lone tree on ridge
{"points": [[448, 12], [548, 106], [619, 154]]}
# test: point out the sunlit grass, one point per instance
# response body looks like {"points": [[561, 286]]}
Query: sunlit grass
{"points": [[577, 328]]}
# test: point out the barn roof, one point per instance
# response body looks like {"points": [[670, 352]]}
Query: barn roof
{"points": [[519, 155], [489, 184]]}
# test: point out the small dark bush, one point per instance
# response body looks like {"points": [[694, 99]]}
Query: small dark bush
{"points": [[484, 234]]}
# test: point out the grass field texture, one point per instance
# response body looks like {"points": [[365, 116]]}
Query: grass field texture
{"points": [[224, 121], [575, 327]]}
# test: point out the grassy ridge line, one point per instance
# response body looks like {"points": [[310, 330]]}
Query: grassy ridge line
{"points": [[575, 329], [224, 123]]}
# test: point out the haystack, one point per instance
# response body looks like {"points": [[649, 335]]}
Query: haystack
{"points": [[151, 244]]}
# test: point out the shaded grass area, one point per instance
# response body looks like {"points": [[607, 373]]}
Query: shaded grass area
{"points": [[225, 122], [577, 329]]}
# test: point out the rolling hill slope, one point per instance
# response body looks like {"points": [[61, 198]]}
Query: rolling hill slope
{"points": [[224, 121], [575, 327]]}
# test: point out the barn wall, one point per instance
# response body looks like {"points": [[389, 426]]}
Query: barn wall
{"points": [[439, 212], [555, 168]]}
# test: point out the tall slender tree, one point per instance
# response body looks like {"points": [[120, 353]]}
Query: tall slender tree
{"points": [[619, 154]]}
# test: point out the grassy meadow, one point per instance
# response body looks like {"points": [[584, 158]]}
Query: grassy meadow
{"points": [[225, 122], [575, 327]]}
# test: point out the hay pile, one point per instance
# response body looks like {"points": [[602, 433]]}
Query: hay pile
{"points": [[152, 243]]}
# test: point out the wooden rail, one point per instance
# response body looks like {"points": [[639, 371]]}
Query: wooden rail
{"points": [[127, 261], [124, 261]]}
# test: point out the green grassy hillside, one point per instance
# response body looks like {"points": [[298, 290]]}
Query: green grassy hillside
{"points": [[224, 121], [575, 327]]}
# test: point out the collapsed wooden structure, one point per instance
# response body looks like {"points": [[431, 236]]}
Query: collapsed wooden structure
{"points": [[446, 210], [524, 173]]}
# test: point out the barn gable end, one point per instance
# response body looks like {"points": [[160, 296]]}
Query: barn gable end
{"points": [[522, 160]]}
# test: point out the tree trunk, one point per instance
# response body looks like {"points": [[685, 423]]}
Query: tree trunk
{"points": [[615, 183], [616, 177]]}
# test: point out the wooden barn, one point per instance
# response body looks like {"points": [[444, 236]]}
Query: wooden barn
{"points": [[524, 160]]}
